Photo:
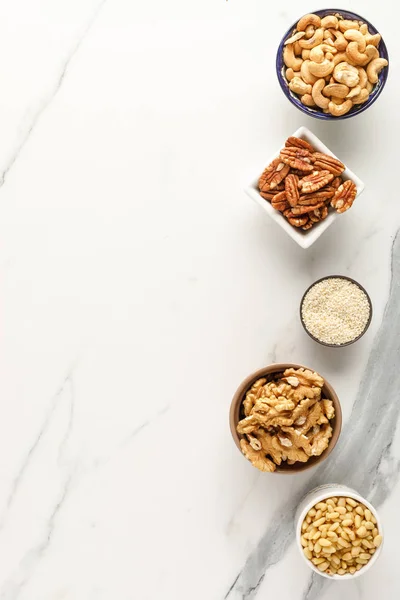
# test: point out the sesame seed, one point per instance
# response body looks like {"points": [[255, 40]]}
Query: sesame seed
{"points": [[335, 311]]}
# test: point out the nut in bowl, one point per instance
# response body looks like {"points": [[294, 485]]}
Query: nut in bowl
{"points": [[285, 418], [332, 64], [338, 532], [304, 187]]}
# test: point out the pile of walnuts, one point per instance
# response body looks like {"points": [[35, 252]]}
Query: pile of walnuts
{"points": [[285, 419], [332, 63], [301, 183]]}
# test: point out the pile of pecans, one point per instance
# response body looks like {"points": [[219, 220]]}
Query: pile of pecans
{"points": [[340, 535], [301, 183], [285, 418], [332, 63]]}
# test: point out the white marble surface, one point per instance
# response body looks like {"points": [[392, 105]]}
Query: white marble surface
{"points": [[139, 286]]}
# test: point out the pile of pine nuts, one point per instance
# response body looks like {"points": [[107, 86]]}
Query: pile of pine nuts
{"points": [[340, 535]]}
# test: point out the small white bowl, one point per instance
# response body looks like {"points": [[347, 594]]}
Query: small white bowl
{"points": [[319, 494], [305, 239]]}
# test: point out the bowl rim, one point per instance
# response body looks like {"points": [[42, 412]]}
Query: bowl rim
{"points": [[277, 368], [316, 113], [324, 495], [366, 326]]}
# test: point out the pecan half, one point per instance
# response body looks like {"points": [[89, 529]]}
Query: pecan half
{"points": [[292, 189], [324, 161], [279, 202], [315, 181], [344, 196], [299, 143], [298, 221], [273, 175], [315, 198], [319, 214], [302, 210], [268, 195], [297, 158], [336, 182]]}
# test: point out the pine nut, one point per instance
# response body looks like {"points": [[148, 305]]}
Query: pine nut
{"points": [[323, 566], [373, 520], [359, 511], [375, 532], [307, 553], [316, 536], [341, 571], [350, 533], [332, 535], [352, 502], [304, 542], [332, 515], [341, 510], [355, 551], [304, 526], [323, 542], [335, 560], [377, 541], [365, 556], [318, 561], [318, 514], [360, 561], [344, 564], [317, 548], [369, 525], [345, 536], [357, 521], [367, 514], [343, 543], [347, 522], [310, 546], [319, 506], [352, 570], [357, 542], [330, 502], [349, 508], [361, 532], [333, 527], [347, 557], [319, 522], [324, 527], [342, 502], [308, 520], [312, 512]]}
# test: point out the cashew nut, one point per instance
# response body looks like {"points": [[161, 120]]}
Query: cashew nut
{"points": [[354, 92], [318, 98], [305, 54], [305, 73], [290, 74], [315, 40], [317, 54], [363, 77], [336, 100], [329, 56], [321, 69], [354, 35], [373, 39], [375, 67], [338, 110], [340, 42], [359, 58], [290, 59], [309, 19], [336, 89], [338, 58], [362, 97], [295, 37], [330, 21], [347, 74], [298, 86], [297, 49], [308, 100], [364, 29], [369, 87], [310, 30], [345, 24]]}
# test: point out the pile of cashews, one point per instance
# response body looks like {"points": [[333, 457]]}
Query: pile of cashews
{"points": [[332, 63]]}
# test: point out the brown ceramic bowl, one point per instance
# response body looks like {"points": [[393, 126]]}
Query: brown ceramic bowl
{"points": [[327, 391]]}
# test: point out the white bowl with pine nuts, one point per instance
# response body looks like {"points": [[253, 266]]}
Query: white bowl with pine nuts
{"points": [[354, 541]]}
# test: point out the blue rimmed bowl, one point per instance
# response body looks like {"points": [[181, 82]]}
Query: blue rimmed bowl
{"points": [[317, 113]]}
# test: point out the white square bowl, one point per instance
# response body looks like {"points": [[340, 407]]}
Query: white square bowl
{"points": [[305, 239]]}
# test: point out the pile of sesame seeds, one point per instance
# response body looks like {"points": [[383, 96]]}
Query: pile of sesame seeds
{"points": [[335, 311]]}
